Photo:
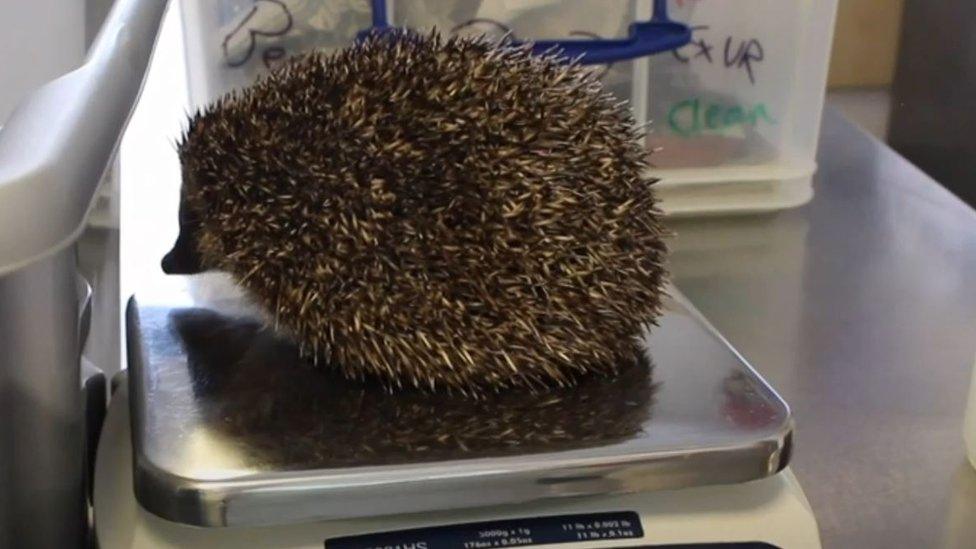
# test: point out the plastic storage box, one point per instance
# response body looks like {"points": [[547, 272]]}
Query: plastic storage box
{"points": [[733, 116], [737, 111]]}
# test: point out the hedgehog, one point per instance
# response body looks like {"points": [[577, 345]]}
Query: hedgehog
{"points": [[431, 212]]}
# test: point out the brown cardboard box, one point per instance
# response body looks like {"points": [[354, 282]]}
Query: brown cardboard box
{"points": [[865, 43]]}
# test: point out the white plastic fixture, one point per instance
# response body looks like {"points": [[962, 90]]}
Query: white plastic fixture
{"points": [[57, 144], [55, 148], [40, 40]]}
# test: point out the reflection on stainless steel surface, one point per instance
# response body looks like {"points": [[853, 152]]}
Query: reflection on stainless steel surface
{"points": [[231, 426], [859, 308], [282, 412]]}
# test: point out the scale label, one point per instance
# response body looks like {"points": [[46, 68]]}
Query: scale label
{"points": [[494, 534]]}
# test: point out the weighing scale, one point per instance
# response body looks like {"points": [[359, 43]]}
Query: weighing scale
{"points": [[219, 435]]}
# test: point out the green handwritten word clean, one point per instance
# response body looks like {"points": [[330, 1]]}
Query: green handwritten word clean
{"points": [[692, 117]]}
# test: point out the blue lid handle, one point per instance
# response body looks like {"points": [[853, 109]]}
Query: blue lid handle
{"points": [[380, 19], [645, 38]]}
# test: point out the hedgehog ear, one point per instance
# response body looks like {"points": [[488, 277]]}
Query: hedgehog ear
{"points": [[184, 258]]}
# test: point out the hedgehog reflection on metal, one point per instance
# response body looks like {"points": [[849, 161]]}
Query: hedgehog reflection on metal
{"points": [[433, 212], [292, 413]]}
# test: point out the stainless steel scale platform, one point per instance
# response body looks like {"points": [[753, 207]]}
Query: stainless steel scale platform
{"points": [[231, 430]]}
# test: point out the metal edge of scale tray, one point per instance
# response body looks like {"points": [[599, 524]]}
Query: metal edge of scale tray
{"points": [[231, 428]]}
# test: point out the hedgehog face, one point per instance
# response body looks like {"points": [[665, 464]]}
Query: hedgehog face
{"points": [[433, 211]]}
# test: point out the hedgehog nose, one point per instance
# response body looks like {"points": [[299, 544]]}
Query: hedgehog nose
{"points": [[182, 259]]}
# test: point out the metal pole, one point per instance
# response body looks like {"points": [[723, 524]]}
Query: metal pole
{"points": [[41, 420]]}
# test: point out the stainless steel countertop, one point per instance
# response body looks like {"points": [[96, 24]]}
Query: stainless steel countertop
{"points": [[857, 308]]}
